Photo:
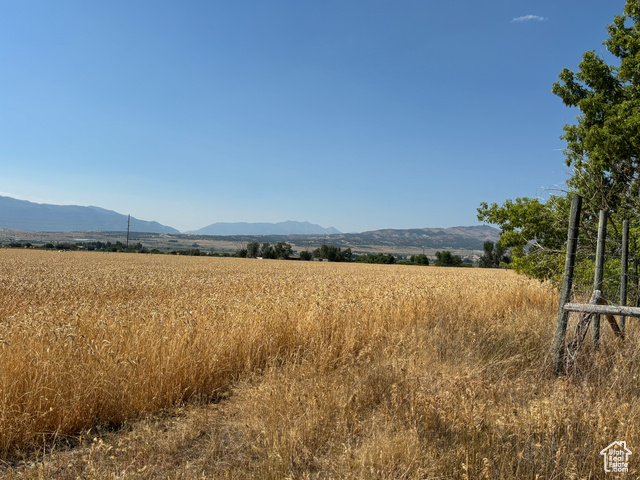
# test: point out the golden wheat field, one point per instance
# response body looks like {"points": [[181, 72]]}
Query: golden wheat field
{"points": [[140, 366]]}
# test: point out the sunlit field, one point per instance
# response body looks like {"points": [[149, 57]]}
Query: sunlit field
{"points": [[158, 366]]}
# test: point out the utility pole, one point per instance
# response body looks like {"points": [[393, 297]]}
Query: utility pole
{"points": [[128, 225]]}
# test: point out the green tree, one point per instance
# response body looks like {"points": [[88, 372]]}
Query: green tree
{"points": [[253, 249], [602, 147], [283, 250], [306, 255], [602, 152], [447, 259], [381, 258], [420, 259], [534, 231], [494, 255], [333, 254], [267, 251]]}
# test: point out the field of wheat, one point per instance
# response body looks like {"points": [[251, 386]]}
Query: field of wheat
{"points": [[139, 366]]}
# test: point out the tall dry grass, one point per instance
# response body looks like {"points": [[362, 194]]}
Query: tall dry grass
{"points": [[327, 370]]}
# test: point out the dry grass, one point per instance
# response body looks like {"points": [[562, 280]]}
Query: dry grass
{"points": [[324, 371]]}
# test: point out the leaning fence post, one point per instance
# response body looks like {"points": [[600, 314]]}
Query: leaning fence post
{"points": [[599, 273], [623, 270], [567, 283]]}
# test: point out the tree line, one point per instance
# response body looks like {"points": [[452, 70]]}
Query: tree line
{"points": [[117, 246], [330, 253], [283, 251]]}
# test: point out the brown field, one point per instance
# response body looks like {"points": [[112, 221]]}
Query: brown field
{"points": [[136, 366]]}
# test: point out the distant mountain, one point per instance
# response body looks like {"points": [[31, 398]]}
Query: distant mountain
{"points": [[452, 236], [41, 217], [465, 238], [35, 217], [282, 228]]}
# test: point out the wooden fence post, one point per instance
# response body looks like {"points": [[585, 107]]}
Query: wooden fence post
{"points": [[567, 283], [623, 271], [599, 273], [636, 278]]}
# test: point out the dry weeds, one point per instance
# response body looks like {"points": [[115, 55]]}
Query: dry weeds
{"points": [[318, 370]]}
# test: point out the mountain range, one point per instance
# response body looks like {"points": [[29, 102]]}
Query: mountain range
{"points": [[35, 217], [42, 217], [282, 228], [471, 238]]}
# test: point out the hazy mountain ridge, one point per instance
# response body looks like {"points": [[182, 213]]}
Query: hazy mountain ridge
{"points": [[465, 238], [471, 238], [23, 215], [42, 217], [282, 228]]}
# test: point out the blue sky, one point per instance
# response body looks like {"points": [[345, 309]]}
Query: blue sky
{"points": [[353, 114]]}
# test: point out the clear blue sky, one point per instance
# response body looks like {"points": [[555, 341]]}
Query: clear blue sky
{"points": [[357, 114]]}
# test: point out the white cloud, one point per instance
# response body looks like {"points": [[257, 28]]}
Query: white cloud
{"points": [[529, 18]]}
